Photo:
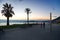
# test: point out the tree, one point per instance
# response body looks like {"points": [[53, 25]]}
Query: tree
{"points": [[28, 11], [7, 11]]}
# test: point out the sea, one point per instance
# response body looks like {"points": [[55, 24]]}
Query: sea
{"points": [[11, 22]]}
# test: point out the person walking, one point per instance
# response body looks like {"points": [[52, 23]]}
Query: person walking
{"points": [[43, 24]]}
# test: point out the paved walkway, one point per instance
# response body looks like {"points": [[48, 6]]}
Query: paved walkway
{"points": [[36, 32]]}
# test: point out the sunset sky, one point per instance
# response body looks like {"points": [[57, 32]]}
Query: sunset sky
{"points": [[40, 9]]}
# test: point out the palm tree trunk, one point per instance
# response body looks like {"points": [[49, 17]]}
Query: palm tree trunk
{"points": [[7, 21], [27, 18]]}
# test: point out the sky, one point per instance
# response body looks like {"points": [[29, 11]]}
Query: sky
{"points": [[40, 9]]}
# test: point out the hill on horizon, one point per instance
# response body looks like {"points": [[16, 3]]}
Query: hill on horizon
{"points": [[57, 20]]}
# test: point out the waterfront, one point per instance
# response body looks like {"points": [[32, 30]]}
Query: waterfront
{"points": [[36, 32]]}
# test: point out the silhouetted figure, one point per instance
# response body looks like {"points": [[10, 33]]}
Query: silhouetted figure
{"points": [[7, 11], [43, 24]]}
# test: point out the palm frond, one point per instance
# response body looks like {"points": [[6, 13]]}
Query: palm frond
{"points": [[7, 10], [12, 12]]}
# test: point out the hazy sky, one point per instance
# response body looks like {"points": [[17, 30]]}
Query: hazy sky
{"points": [[40, 8]]}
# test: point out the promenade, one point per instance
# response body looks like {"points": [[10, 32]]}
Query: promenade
{"points": [[36, 32]]}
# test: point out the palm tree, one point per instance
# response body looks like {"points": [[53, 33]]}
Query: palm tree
{"points": [[7, 11], [28, 11]]}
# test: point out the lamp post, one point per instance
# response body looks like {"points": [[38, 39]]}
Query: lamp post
{"points": [[50, 22], [50, 18]]}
